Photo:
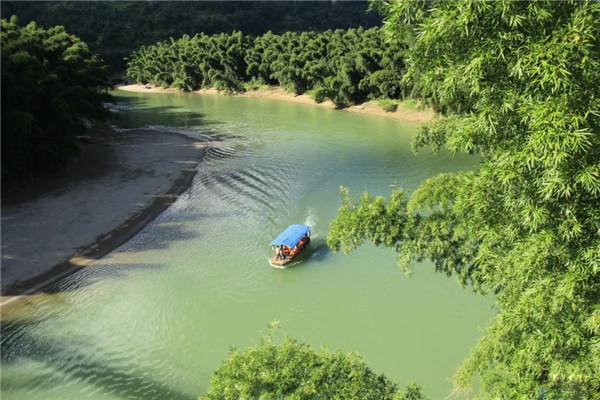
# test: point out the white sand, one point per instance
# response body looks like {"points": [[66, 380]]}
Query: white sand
{"points": [[114, 180]]}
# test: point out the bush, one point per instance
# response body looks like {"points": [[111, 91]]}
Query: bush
{"points": [[320, 94], [255, 84], [293, 370], [388, 105]]}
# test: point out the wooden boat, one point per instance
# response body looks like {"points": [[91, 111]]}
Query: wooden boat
{"points": [[289, 244]]}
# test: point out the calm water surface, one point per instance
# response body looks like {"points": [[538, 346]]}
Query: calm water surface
{"points": [[159, 314]]}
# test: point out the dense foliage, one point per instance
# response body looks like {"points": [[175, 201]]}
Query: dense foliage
{"points": [[520, 83], [114, 29], [51, 84], [293, 370], [346, 66]]}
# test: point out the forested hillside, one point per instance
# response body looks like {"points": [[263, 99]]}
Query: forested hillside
{"points": [[115, 29], [51, 84], [346, 66]]}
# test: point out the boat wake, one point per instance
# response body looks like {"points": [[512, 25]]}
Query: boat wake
{"points": [[311, 219], [286, 266]]}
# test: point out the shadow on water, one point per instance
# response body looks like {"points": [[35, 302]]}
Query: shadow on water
{"points": [[173, 120], [135, 112], [58, 354], [317, 251]]}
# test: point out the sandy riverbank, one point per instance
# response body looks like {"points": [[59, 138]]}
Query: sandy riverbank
{"points": [[121, 181], [403, 113]]}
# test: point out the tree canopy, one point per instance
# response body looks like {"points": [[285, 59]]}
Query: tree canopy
{"points": [[518, 82], [51, 84], [346, 66], [114, 29], [293, 370]]}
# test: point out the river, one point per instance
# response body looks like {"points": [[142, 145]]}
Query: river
{"points": [[154, 318]]}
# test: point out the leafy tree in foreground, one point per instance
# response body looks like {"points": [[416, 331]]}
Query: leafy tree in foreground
{"points": [[51, 84], [519, 82], [293, 370]]}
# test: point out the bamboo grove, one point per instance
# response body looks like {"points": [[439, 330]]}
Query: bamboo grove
{"points": [[345, 66], [52, 87]]}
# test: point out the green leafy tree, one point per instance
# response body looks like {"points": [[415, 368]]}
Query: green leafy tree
{"points": [[51, 86], [293, 370], [518, 82]]}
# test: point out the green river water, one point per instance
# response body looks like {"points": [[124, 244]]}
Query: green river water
{"points": [[159, 314]]}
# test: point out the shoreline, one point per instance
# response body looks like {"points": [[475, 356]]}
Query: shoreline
{"points": [[138, 215], [403, 113]]}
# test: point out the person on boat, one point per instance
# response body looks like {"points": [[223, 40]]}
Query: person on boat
{"points": [[280, 255], [294, 251], [302, 242], [286, 251]]}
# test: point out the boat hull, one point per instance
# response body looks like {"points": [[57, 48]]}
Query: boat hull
{"points": [[279, 262]]}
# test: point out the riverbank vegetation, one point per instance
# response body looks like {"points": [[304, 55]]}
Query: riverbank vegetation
{"points": [[115, 29], [293, 370], [345, 66], [52, 85], [519, 82]]}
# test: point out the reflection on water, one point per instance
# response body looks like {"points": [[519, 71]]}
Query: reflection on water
{"points": [[156, 317]]}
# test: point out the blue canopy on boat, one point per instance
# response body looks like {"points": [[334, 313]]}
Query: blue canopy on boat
{"points": [[292, 235]]}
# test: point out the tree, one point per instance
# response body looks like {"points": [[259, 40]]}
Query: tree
{"points": [[293, 370], [51, 86], [518, 83]]}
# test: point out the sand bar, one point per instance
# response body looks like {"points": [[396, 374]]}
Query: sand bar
{"points": [[121, 181]]}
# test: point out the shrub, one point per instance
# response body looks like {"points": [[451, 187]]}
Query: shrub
{"points": [[293, 370], [388, 105]]}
